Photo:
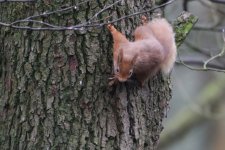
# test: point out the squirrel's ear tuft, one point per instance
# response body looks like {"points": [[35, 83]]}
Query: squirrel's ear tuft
{"points": [[110, 27], [144, 19]]}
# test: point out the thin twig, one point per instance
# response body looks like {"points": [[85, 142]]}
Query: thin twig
{"points": [[36, 21], [57, 11], [51, 27], [198, 62], [2, 1], [102, 10], [199, 68], [216, 56], [88, 24], [124, 17], [142, 12], [214, 29], [208, 4]]}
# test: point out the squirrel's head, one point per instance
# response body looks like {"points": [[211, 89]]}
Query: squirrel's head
{"points": [[124, 69]]}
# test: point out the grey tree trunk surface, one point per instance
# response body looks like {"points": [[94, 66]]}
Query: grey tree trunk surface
{"points": [[53, 84]]}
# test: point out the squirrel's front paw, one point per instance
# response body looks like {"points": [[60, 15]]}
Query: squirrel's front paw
{"points": [[112, 80]]}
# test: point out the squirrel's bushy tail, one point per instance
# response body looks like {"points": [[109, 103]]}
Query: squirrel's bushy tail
{"points": [[163, 31]]}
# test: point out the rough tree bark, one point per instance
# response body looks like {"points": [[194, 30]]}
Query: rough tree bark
{"points": [[53, 84]]}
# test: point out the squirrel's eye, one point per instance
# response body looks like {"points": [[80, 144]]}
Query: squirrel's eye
{"points": [[117, 70]]}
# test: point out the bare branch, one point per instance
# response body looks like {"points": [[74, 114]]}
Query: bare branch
{"points": [[182, 28], [212, 58], [88, 24], [2, 1], [142, 12], [36, 21], [198, 62], [204, 67], [124, 17], [210, 6], [214, 29], [198, 68], [104, 9], [57, 11], [216, 56]]}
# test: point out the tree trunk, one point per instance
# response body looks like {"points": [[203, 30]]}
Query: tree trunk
{"points": [[53, 84]]}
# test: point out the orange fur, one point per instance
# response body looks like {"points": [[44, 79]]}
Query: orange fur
{"points": [[154, 49], [118, 39]]}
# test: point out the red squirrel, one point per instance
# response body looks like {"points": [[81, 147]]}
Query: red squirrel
{"points": [[154, 49]]}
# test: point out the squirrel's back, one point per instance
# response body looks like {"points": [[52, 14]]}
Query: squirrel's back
{"points": [[163, 32], [154, 49]]}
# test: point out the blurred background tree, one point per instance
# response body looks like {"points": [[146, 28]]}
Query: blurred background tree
{"points": [[196, 119]]}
